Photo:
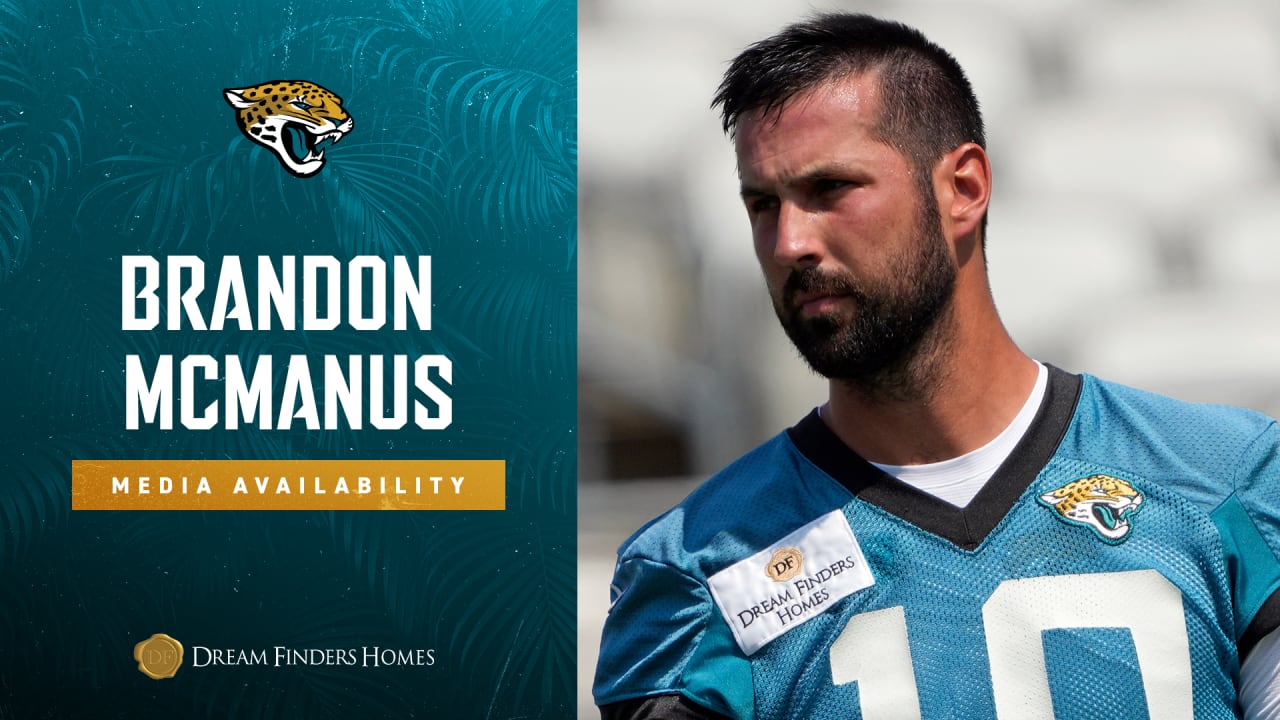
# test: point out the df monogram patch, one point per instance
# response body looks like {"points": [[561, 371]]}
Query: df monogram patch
{"points": [[791, 581], [785, 564]]}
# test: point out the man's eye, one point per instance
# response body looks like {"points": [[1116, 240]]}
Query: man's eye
{"points": [[829, 185], [762, 204]]}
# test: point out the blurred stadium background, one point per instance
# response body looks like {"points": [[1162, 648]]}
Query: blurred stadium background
{"points": [[1135, 231]]}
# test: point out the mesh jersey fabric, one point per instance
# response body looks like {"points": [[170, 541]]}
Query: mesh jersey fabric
{"points": [[994, 602]]}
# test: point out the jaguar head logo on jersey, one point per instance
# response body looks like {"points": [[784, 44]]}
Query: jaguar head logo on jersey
{"points": [[785, 564], [295, 119], [1102, 503]]}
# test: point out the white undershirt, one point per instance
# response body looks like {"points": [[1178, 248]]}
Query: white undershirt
{"points": [[959, 479]]}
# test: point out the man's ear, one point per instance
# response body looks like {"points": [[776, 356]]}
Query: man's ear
{"points": [[963, 182]]}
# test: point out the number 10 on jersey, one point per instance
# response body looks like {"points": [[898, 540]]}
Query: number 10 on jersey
{"points": [[873, 648]]}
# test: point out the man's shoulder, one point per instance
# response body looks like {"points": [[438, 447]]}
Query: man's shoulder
{"points": [[1116, 402], [1167, 435], [757, 498]]}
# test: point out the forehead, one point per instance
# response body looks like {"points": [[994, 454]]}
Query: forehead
{"points": [[833, 122]]}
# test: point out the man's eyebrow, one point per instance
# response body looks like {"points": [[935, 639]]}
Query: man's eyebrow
{"points": [[810, 175], [825, 171]]}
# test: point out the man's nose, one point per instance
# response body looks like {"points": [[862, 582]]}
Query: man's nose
{"points": [[798, 242]]}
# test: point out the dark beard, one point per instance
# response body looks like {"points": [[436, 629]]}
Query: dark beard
{"points": [[889, 321]]}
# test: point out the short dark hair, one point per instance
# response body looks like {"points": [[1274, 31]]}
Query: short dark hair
{"points": [[927, 106]]}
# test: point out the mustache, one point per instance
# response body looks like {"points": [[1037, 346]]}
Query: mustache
{"points": [[813, 280]]}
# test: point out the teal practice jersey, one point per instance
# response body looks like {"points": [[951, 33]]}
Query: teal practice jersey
{"points": [[1118, 565]]}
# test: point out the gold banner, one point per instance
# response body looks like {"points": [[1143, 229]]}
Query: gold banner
{"points": [[288, 485]]}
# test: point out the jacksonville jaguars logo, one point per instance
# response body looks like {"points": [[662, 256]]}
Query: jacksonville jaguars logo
{"points": [[1102, 503], [295, 119]]}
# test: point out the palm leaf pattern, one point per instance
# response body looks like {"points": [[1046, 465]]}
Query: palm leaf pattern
{"points": [[41, 126]]}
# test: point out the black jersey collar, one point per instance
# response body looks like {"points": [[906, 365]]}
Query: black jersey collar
{"points": [[965, 527]]}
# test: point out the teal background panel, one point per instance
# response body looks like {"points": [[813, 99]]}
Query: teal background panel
{"points": [[115, 139]]}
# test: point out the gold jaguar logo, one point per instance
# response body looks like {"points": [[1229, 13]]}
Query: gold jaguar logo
{"points": [[1102, 503], [294, 119]]}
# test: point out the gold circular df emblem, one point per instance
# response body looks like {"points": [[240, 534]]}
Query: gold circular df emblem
{"points": [[159, 656], [785, 564]]}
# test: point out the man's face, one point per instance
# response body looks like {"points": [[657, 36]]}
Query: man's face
{"points": [[854, 257]]}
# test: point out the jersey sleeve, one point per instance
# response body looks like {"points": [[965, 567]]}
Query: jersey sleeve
{"points": [[665, 636], [1249, 522]]}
